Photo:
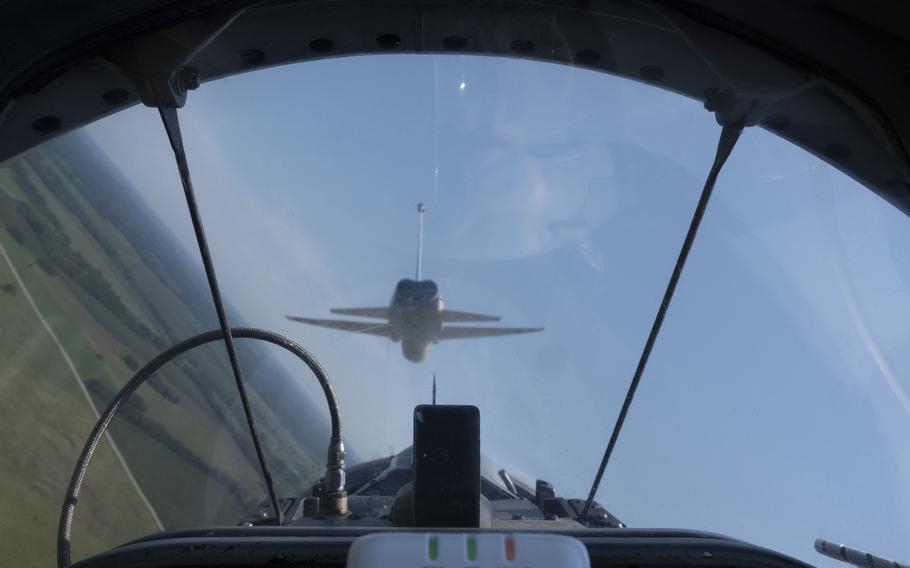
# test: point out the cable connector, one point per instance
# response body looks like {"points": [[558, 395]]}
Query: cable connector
{"points": [[334, 502]]}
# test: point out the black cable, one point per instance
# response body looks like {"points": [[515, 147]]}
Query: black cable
{"points": [[728, 137], [64, 530], [172, 127]]}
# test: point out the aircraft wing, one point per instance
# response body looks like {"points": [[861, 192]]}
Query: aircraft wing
{"points": [[370, 327], [452, 315], [380, 313], [459, 332]]}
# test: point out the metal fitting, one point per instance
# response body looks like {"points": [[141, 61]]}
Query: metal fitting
{"points": [[187, 79], [334, 502], [732, 108]]}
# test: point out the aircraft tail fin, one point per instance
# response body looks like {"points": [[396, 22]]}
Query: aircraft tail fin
{"points": [[379, 313], [421, 209], [452, 315]]}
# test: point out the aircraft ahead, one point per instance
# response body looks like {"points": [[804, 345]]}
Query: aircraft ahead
{"points": [[416, 315]]}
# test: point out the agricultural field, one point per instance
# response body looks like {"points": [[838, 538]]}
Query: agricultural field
{"points": [[92, 286]]}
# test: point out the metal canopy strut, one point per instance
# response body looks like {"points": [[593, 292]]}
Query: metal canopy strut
{"points": [[728, 137], [172, 126]]}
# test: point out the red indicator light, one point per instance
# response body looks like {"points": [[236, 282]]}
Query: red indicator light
{"points": [[510, 549]]}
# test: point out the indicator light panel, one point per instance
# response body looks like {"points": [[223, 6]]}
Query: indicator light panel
{"points": [[467, 550]]}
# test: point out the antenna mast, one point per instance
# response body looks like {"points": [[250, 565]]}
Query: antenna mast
{"points": [[421, 209]]}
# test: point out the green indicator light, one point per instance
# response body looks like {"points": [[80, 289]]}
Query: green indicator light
{"points": [[433, 548], [472, 548]]}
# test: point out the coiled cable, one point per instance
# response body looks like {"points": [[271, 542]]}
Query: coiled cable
{"points": [[64, 530]]}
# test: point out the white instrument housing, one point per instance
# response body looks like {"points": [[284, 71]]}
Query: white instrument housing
{"points": [[467, 550]]}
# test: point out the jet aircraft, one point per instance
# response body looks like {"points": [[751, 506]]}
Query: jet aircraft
{"points": [[416, 315]]}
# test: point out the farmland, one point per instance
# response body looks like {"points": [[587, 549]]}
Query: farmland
{"points": [[93, 285]]}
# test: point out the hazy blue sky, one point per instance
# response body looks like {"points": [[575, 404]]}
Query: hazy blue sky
{"points": [[775, 407]]}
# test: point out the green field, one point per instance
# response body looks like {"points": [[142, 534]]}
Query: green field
{"points": [[115, 289]]}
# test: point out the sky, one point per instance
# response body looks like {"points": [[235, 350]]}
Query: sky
{"points": [[776, 404]]}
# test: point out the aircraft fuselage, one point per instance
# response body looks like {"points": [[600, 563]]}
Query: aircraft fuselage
{"points": [[415, 317]]}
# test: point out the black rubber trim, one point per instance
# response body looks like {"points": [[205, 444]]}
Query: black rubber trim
{"points": [[270, 546], [45, 69]]}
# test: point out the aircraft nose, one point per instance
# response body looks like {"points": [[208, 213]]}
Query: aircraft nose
{"points": [[414, 351]]}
